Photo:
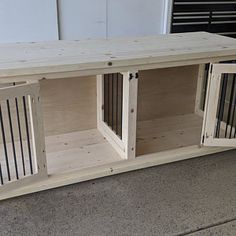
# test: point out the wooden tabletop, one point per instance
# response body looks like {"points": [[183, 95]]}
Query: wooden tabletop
{"points": [[88, 57]]}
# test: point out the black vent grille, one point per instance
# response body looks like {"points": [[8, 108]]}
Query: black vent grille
{"points": [[204, 15]]}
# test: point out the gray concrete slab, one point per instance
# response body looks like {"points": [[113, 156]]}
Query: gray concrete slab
{"points": [[174, 199], [227, 229]]}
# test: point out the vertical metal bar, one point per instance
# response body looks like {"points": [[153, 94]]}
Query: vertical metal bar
{"points": [[206, 77], [232, 119], [108, 100], [5, 145], [27, 134], [121, 107], [12, 138], [117, 102], [221, 105], [230, 106], [1, 177], [20, 136], [112, 98], [234, 132], [105, 97]]}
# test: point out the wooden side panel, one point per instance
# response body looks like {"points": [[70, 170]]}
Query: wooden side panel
{"points": [[167, 92], [69, 104]]}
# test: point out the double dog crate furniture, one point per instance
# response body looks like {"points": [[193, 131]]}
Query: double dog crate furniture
{"points": [[152, 102]]}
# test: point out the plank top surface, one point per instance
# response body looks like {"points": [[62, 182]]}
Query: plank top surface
{"points": [[18, 59]]}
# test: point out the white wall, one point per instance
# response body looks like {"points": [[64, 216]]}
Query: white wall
{"points": [[37, 20], [135, 17], [28, 20], [81, 19]]}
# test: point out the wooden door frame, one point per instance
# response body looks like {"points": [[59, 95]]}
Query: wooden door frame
{"points": [[126, 147], [32, 92], [211, 105]]}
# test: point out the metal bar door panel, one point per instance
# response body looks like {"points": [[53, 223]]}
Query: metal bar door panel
{"points": [[22, 143], [219, 118]]}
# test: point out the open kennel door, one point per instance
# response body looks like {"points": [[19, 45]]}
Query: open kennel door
{"points": [[117, 110], [22, 144], [219, 123]]}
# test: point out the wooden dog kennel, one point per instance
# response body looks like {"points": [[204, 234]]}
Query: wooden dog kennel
{"points": [[77, 110]]}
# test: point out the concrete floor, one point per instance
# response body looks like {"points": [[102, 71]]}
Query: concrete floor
{"points": [[195, 197]]}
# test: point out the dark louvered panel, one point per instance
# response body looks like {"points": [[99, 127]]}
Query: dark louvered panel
{"points": [[113, 101], [211, 16]]}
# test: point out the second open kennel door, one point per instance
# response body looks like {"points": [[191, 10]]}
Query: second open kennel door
{"points": [[219, 124], [117, 111]]}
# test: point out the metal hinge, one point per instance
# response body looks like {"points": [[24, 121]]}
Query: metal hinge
{"points": [[133, 76], [203, 139]]}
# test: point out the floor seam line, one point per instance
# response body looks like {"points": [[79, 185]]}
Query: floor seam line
{"points": [[207, 227]]}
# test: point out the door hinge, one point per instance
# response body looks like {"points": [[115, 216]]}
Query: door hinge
{"points": [[203, 139], [133, 76]]}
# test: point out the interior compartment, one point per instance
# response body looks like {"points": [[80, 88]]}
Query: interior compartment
{"points": [[166, 118], [70, 122], [166, 109]]}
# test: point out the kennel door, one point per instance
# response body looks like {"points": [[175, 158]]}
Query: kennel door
{"points": [[219, 118], [22, 144]]}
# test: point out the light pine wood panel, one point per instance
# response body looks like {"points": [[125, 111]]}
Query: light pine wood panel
{"points": [[65, 153], [149, 160], [69, 104], [133, 53], [168, 133], [82, 149], [167, 92]]}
